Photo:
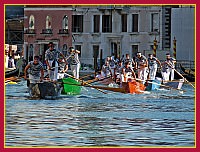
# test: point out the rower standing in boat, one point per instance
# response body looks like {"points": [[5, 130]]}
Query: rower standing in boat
{"points": [[128, 72], [141, 65], [152, 65], [106, 70], [168, 68], [112, 63], [118, 75], [51, 56], [128, 59], [36, 72], [74, 61], [63, 67]]}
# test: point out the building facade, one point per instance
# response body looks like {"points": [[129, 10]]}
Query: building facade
{"points": [[99, 30], [44, 24], [183, 29], [117, 30]]}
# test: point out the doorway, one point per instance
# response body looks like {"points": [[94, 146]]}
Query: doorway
{"points": [[115, 49]]}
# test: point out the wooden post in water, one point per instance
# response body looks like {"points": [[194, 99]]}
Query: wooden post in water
{"points": [[101, 58]]}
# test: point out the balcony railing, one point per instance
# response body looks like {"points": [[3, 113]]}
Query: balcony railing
{"points": [[47, 31], [63, 31], [30, 31]]}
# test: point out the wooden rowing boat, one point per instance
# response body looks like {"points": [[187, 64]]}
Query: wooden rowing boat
{"points": [[70, 86], [133, 87], [188, 74], [176, 84], [44, 90], [11, 72], [153, 84]]}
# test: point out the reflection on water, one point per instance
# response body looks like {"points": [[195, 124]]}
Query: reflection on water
{"points": [[159, 118]]}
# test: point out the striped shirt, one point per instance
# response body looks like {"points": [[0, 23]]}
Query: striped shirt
{"points": [[35, 68]]}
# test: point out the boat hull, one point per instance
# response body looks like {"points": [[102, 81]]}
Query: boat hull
{"points": [[70, 86], [153, 84], [176, 84], [133, 87], [44, 90], [11, 72], [188, 74]]}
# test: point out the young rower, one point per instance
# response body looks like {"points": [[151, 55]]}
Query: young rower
{"points": [[168, 68], [118, 75], [106, 70], [51, 56], [63, 67], [36, 72], [74, 61], [141, 65], [128, 59], [152, 65], [128, 72]]}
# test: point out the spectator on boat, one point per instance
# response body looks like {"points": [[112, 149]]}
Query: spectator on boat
{"points": [[118, 75], [141, 65], [11, 62], [168, 68], [152, 63], [106, 70], [36, 72], [51, 57], [128, 72], [74, 62]]}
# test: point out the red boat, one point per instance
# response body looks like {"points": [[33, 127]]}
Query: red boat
{"points": [[133, 87]]}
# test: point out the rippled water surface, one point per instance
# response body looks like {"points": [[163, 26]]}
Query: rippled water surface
{"points": [[158, 118]]}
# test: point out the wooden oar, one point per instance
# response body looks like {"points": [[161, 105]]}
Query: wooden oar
{"points": [[96, 80], [85, 76], [181, 75], [84, 82]]}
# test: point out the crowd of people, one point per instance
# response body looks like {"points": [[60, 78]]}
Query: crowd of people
{"points": [[57, 65], [119, 69], [139, 67]]}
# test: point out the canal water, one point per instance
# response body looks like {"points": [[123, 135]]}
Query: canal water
{"points": [[163, 118]]}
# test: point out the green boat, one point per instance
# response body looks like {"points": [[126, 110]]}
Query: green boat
{"points": [[70, 86]]}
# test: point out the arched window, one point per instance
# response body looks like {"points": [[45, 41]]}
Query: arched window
{"points": [[65, 22], [31, 22], [48, 22]]}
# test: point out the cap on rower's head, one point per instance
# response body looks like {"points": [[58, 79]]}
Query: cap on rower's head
{"points": [[139, 53]]}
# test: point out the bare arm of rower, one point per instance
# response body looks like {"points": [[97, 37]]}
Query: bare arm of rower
{"points": [[42, 74], [77, 51], [133, 74], [64, 58], [159, 62], [48, 65]]}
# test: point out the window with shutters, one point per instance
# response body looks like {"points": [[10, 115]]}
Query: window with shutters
{"points": [[77, 23], [124, 22], [155, 22], [96, 23], [135, 22], [106, 23]]}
